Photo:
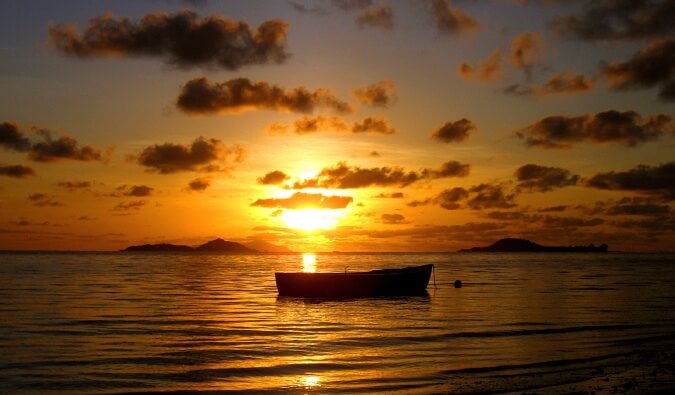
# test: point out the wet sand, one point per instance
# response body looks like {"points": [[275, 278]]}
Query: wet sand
{"points": [[647, 371]]}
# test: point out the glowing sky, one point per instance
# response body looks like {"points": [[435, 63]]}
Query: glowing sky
{"points": [[352, 125]]}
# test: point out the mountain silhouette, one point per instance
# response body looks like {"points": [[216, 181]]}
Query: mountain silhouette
{"points": [[523, 245]]}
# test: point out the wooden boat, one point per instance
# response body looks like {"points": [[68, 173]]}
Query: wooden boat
{"points": [[385, 282]]}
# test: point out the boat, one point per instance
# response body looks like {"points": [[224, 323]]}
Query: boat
{"points": [[383, 282]]}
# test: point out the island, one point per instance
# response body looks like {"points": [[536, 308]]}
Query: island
{"points": [[523, 245], [217, 245]]}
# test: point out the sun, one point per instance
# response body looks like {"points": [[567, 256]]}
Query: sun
{"points": [[311, 219]]}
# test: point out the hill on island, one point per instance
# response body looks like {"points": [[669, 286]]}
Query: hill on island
{"points": [[217, 245], [523, 245]]}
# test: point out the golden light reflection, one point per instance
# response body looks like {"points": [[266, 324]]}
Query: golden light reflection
{"points": [[309, 263], [311, 219], [311, 381]]}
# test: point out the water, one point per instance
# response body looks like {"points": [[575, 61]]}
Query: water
{"points": [[111, 323]]}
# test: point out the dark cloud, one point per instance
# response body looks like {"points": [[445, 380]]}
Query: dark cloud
{"points": [[651, 180], [374, 154], [16, 171], [300, 200], [649, 67], [638, 209], [342, 176], [609, 20], [12, 139], [312, 10], [543, 179], [456, 131], [74, 185], [47, 148], [394, 195], [451, 20], [200, 96], [130, 206], [135, 190], [350, 5], [378, 125], [449, 199], [628, 128], [61, 148], [485, 196], [508, 215], [527, 50], [571, 222], [379, 94], [44, 200], [24, 222], [380, 16], [565, 83], [201, 155], [516, 90], [553, 209], [181, 39], [199, 184], [489, 69], [393, 219], [320, 123], [273, 178]]}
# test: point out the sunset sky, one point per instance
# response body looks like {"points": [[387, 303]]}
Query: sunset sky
{"points": [[351, 125]]}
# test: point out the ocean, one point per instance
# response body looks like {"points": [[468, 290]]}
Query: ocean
{"points": [[204, 323]]}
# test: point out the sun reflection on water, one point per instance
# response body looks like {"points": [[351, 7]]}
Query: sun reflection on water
{"points": [[311, 381], [309, 263]]}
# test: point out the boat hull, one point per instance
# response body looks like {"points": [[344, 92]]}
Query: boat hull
{"points": [[388, 282]]}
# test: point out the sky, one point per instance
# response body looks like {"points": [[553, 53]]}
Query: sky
{"points": [[337, 125]]}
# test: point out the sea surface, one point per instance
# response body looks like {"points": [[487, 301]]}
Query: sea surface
{"points": [[136, 322]]}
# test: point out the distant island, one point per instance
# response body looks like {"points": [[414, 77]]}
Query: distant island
{"points": [[523, 245], [217, 245]]}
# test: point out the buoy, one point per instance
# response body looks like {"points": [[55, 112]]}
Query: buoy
{"points": [[458, 284]]}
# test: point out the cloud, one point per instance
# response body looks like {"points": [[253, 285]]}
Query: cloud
{"points": [[349, 5], [478, 197], [47, 148], [627, 128], [543, 179], [638, 209], [565, 83], [374, 154], [200, 96], [451, 20], [490, 196], [199, 184], [516, 90], [342, 176], [489, 69], [379, 94], [527, 50], [394, 195], [273, 178], [16, 171], [456, 131], [378, 125], [44, 200], [201, 155], [571, 222], [508, 215], [652, 66], [449, 199], [24, 222], [130, 206], [74, 185], [381, 16], [181, 39], [12, 139], [553, 209], [300, 200], [393, 219], [610, 20], [651, 180], [320, 123], [135, 190]]}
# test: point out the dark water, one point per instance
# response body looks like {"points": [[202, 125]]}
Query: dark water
{"points": [[114, 323]]}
